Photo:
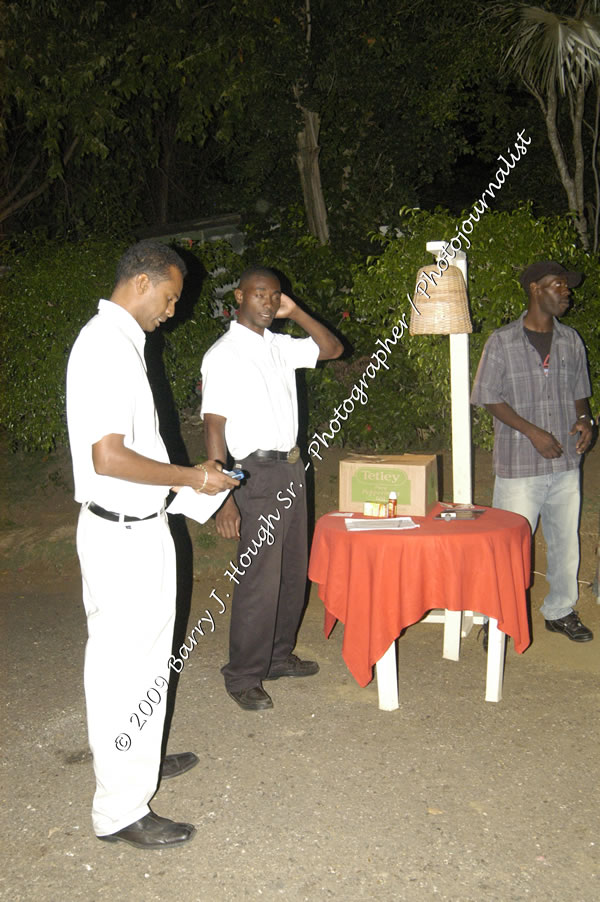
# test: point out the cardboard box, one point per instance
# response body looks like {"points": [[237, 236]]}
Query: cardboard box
{"points": [[372, 477]]}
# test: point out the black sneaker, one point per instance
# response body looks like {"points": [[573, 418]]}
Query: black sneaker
{"points": [[571, 627]]}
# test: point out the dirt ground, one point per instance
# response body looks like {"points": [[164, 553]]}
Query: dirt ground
{"points": [[325, 797]]}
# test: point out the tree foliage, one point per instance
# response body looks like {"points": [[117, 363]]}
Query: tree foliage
{"points": [[558, 55], [91, 87], [53, 289], [503, 244], [117, 114]]}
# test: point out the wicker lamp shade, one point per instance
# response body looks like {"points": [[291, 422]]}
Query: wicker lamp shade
{"points": [[446, 311]]}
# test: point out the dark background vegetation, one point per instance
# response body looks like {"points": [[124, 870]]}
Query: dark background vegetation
{"points": [[118, 116]]}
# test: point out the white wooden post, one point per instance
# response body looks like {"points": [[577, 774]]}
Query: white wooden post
{"points": [[460, 393]]}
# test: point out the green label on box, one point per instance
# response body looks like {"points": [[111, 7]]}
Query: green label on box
{"points": [[371, 484]]}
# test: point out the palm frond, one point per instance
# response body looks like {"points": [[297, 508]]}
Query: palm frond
{"points": [[548, 49]]}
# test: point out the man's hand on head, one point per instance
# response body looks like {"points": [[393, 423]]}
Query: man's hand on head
{"points": [[286, 307]]}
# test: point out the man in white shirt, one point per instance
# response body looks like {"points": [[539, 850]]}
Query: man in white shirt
{"points": [[122, 476], [250, 409]]}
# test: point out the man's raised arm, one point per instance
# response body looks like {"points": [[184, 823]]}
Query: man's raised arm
{"points": [[330, 347]]}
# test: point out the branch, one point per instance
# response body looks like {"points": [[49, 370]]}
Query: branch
{"points": [[8, 208], [559, 156], [22, 180], [70, 151], [17, 205], [308, 25], [577, 117], [536, 94]]}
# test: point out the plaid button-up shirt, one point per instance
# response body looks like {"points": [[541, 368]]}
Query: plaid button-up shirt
{"points": [[511, 370]]}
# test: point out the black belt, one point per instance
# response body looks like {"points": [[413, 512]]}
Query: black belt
{"points": [[291, 456], [117, 518]]}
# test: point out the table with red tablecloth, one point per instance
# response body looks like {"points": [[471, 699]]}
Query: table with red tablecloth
{"points": [[379, 582]]}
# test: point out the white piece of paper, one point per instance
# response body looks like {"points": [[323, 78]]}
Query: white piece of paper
{"points": [[196, 505], [381, 523]]}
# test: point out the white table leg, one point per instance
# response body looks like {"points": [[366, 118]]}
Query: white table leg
{"points": [[468, 619], [495, 662], [452, 628], [387, 680]]}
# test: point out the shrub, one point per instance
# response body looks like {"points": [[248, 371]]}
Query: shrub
{"points": [[502, 245], [52, 289]]}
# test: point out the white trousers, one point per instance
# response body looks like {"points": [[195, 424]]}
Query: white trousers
{"points": [[129, 587]]}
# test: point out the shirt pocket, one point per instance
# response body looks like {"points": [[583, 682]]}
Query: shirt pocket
{"points": [[566, 375]]}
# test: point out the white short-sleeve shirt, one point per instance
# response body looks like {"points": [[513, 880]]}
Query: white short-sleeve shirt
{"points": [[250, 379], [108, 392]]}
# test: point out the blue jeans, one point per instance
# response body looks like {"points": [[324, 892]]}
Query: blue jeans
{"points": [[555, 499]]}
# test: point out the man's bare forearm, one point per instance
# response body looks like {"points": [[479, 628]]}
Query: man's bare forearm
{"points": [[544, 442], [111, 458], [228, 516], [507, 415], [214, 437], [330, 347]]}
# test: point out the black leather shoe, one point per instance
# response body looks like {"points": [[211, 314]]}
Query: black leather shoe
{"points": [[174, 765], [254, 699], [293, 667], [152, 832], [571, 627]]}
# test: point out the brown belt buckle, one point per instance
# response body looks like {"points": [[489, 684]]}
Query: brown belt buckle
{"points": [[293, 454]]}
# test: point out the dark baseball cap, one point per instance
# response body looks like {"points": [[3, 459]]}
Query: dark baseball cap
{"points": [[537, 271]]}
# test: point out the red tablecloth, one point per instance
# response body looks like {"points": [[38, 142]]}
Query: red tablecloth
{"points": [[377, 583]]}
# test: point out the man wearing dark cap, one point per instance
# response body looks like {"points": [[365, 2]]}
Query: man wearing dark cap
{"points": [[533, 379]]}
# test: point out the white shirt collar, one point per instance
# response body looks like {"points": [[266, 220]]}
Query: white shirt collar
{"points": [[124, 321], [243, 333]]}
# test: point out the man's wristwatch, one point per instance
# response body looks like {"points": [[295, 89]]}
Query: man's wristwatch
{"points": [[586, 416]]}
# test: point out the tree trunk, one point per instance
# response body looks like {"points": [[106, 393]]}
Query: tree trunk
{"points": [[578, 109], [550, 110], [307, 159], [595, 170]]}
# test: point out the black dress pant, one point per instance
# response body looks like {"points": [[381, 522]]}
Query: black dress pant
{"points": [[270, 584]]}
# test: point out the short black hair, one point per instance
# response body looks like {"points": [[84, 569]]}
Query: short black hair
{"points": [[256, 270], [150, 257]]}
